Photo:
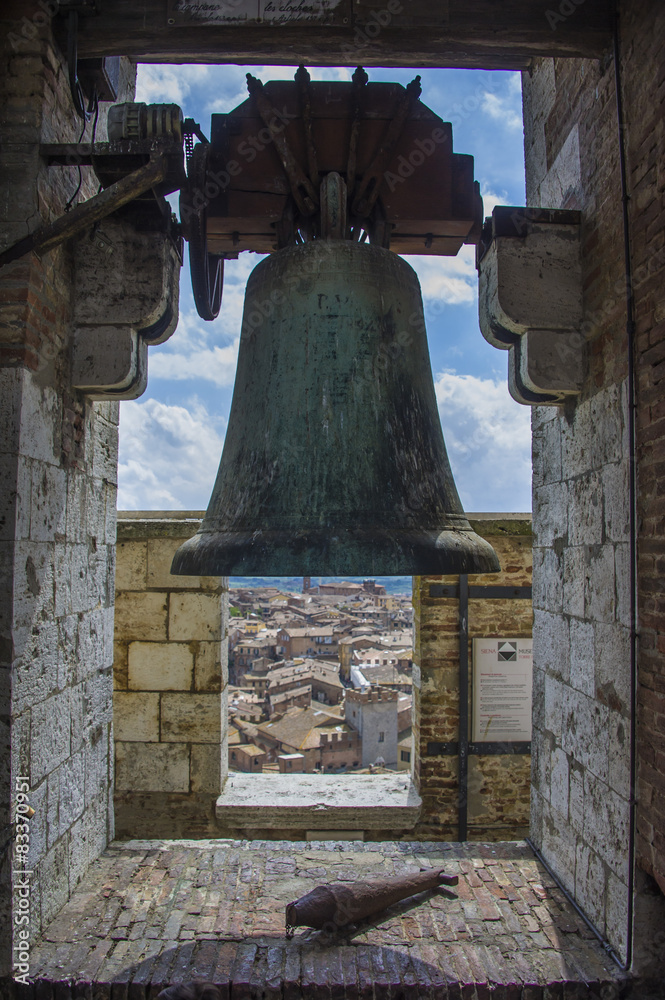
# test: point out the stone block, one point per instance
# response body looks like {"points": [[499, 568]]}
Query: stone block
{"points": [[160, 666], [53, 876], [546, 450], [590, 882], [141, 616], [35, 582], [48, 503], [551, 644], [550, 513], [37, 657], [553, 707], [616, 501], [40, 411], [206, 768], [50, 735], [618, 755], [160, 557], [576, 796], [136, 716], [15, 500], [595, 437], [210, 665], [548, 580], [191, 718], [538, 699], [574, 578], [582, 657], [616, 914], [621, 602], [98, 762], [152, 767], [559, 846], [72, 791], [195, 616], [612, 665], [606, 820], [105, 454], [586, 510], [120, 666], [559, 783], [131, 565], [78, 487], [584, 735], [600, 598], [88, 838], [89, 643]]}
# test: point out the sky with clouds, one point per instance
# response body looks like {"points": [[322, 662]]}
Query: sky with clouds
{"points": [[171, 438]]}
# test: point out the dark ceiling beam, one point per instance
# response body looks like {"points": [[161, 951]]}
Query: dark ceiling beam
{"points": [[490, 34]]}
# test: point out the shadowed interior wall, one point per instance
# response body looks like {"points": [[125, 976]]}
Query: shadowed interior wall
{"points": [[58, 459]]}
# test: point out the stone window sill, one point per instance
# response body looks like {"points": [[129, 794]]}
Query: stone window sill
{"points": [[319, 802]]}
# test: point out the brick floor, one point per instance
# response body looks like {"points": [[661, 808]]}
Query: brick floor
{"points": [[152, 913]]}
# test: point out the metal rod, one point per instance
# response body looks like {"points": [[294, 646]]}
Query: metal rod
{"points": [[632, 494], [115, 196], [463, 760]]}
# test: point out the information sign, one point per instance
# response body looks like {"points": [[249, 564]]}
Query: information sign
{"points": [[502, 675]]}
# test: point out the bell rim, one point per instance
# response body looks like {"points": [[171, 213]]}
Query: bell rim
{"points": [[394, 552]]}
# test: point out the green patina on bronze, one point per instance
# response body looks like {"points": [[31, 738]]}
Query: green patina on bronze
{"points": [[334, 461]]}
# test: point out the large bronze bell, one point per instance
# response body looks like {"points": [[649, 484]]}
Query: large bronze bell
{"points": [[334, 461]]}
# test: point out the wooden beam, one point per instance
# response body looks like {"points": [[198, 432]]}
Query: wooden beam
{"points": [[490, 34]]}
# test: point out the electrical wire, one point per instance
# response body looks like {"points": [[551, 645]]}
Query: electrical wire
{"points": [[93, 104]]}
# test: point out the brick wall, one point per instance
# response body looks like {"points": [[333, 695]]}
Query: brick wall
{"points": [[643, 44], [170, 676], [57, 523], [582, 685], [498, 787]]}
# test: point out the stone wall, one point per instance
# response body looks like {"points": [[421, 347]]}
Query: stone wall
{"points": [[498, 787], [170, 676], [581, 810], [58, 459]]}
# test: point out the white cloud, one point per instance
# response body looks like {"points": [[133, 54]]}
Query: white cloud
{"points": [[488, 437], [452, 280], [491, 200], [169, 456], [207, 350], [192, 353], [165, 84], [506, 108]]}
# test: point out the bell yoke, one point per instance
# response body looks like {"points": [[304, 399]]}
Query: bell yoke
{"points": [[334, 461]]}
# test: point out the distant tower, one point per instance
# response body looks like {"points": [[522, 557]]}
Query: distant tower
{"points": [[306, 584]]}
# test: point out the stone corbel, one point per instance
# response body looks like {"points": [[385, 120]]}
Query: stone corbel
{"points": [[530, 300], [126, 282]]}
